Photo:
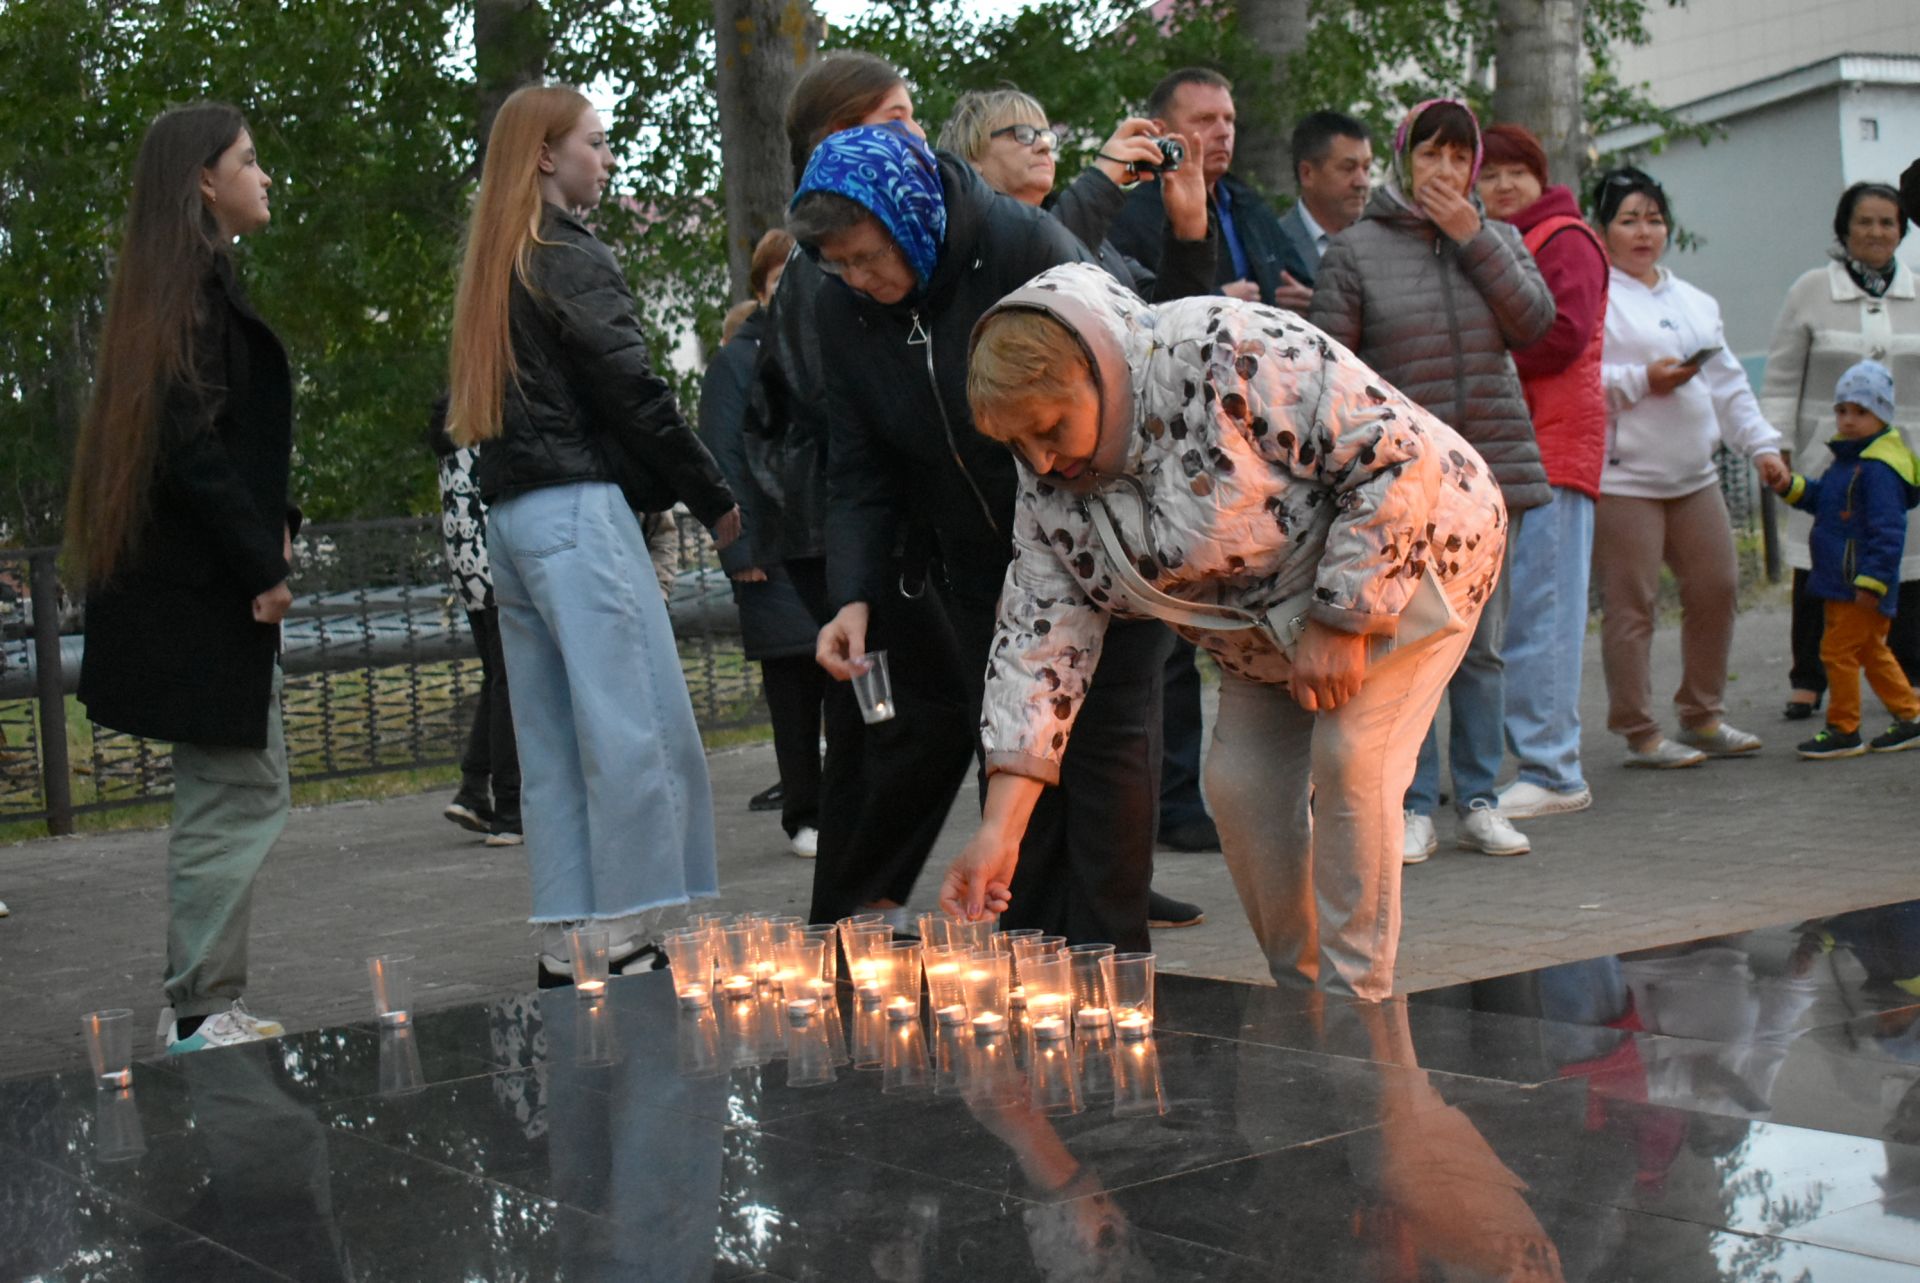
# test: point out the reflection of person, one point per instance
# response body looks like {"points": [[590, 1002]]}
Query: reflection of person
{"points": [[1860, 506], [1245, 459], [179, 525], [902, 229], [1432, 295], [1862, 304], [1553, 550], [550, 375], [1674, 395], [776, 629], [489, 798]]}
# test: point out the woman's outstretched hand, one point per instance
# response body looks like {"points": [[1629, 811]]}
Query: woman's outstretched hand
{"points": [[1328, 667], [980, 879], [843, 640]]}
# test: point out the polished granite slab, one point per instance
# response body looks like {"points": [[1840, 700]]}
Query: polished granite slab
{"points": [[1743, 1108]]}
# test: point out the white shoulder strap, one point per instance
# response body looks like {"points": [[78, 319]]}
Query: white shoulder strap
{"points": [[1160, 605]]}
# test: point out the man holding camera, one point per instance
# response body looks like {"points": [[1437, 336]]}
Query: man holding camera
{"points": [[1256, 260]]}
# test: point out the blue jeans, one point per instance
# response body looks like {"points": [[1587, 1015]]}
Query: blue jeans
{"points": [[1476, 710], [615, 802], [1546, 627]]}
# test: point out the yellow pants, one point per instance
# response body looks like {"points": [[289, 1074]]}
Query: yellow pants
{"points": [[1856, 638]]}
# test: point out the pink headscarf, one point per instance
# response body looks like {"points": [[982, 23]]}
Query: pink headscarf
{"points": [[1400, 181]]}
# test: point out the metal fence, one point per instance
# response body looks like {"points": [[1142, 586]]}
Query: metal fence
{"points": [[381, 672]]}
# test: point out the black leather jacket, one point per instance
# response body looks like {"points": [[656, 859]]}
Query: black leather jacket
{"points": [[903, 442], [786, 422], [587, 405]]}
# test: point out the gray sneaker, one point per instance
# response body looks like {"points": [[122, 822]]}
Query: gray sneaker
{"points": [[1722, 741], [1665, 756]]}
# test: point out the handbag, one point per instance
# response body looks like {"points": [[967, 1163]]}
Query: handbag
{"points": [[1427, 618]]}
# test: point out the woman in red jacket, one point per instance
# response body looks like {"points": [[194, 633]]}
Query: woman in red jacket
{"points": [[1548, 569]]}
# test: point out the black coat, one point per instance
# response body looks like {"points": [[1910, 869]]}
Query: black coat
{"points": [[1140, 231], [587, 405], [903, 442], [774, 622], [1178, 269], [172, 649], [787, 420]]}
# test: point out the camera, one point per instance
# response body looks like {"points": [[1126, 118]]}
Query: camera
{"points": [[1172, 152]]}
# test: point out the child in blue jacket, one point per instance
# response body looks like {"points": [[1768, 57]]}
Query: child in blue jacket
{"points": [[1859, 511]]}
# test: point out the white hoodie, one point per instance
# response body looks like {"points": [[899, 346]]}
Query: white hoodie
{"points": [[1661, 447]]}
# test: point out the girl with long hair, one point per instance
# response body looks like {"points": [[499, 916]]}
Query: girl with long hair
{"points": [[550, 377], [179, 530]]}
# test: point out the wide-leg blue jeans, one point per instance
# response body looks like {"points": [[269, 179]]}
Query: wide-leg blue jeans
{"points": [[1547, 575], [615, 801]]}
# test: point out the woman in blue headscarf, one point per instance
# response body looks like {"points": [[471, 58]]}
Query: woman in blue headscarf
{"points": [[923, 248]]}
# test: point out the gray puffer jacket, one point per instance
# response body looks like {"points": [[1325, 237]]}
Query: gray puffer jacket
{"points": [[1437, 319]]}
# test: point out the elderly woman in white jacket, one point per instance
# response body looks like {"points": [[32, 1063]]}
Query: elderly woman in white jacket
{"points": [[1674, 395], [1228, 468], [1861, 306]]}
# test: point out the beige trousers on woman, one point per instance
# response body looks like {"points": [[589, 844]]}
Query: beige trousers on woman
{"points": [[1309, 810], [1632, 539]]}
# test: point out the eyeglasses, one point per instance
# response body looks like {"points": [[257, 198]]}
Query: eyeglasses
{"points": [[858, 263], [1028, 135]]}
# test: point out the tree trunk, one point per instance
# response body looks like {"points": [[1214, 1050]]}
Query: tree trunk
{"points": [[510, 43], [1278, 28], [1538, 78], [762, 45]]}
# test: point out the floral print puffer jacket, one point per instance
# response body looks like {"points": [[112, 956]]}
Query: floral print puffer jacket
{"points": [[1245, 457]]}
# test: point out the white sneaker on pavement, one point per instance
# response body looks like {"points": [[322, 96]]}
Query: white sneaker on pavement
{"points": [[1525, 800], [805, 842], [1485, 830], [1420, 841], [222, 1029], [1721, 741], [1664, 756]]}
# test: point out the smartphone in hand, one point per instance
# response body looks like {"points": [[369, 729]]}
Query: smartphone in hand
{"points": [[1701, 355]]}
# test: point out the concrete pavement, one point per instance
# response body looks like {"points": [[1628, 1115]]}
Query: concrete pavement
{"points": [[1662, 857]]}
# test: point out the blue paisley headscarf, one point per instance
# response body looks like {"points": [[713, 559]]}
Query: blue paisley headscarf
{"points": [[894, 175]]}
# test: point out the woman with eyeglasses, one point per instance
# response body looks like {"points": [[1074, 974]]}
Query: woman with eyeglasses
{"points": [[922, 248], [1860, 306], [1004, 135], [1674, 395]]}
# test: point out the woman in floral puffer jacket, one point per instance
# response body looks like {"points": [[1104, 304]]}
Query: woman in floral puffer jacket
{"points": [[1244, 458]]}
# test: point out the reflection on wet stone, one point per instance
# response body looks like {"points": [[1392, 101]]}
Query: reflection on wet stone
{"points": [[1745, 1108]]}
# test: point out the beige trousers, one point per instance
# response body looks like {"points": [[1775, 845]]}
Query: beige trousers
{"points": [[1632, 539]]}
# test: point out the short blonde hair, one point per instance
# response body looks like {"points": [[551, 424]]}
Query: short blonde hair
{"points": [[1021, 356], [978, 112]]}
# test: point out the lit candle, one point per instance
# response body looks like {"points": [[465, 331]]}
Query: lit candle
{"points": [[882, 710], [738, 986], [988, 1023], [1017, 997], [763, 970], [693, 997], [800, 1010], [978, 976], [952, 1014], [901, 1009], [785, 977], [1049, 1028], [1135, 1024], [871, 993], [590, 988], [943, 969], [862, 972], [1093, 1018], [393, 1017]]}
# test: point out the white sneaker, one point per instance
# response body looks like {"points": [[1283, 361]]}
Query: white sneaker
{"points": [[227, 1028], [4, 910], [805, 842], [1722, 741], [1665, 756], [1420, 841], [1484, 829], [268, 1028], [1525, 800]]}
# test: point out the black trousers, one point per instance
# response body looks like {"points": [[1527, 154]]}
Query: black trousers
{"points": [[796, 689], [491, 761], [1180, 800], [1810, 625], [886, 790], [1086, 863]]}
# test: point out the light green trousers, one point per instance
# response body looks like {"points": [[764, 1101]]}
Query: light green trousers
{"points": [[229, 805]]}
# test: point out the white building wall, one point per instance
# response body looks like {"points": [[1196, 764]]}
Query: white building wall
{"points": [[1712, 45]]}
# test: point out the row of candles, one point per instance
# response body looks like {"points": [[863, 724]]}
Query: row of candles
{"points": [[1078, 1020], [970, 970]]}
